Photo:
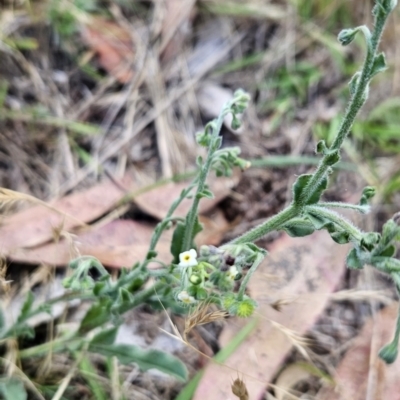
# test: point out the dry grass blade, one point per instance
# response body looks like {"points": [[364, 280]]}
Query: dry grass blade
{"points": [[8, 197], [298, 341], [239, 389], [201, 316], [362, 295]]}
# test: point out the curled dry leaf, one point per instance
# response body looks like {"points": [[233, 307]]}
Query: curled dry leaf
{"points": [[114, 46]]}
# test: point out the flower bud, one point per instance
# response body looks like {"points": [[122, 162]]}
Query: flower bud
{"points": [[195, 279], [389, 352], [346, 36]]}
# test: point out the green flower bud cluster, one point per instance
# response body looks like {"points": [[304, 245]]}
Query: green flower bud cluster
{"points": [[80, 278], [216, 275], [226, 159]]}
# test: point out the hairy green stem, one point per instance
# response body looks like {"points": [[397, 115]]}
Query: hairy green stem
{"points": [[354, 106], [338, 220], [201, 182], [249, 274], [271, 224]]}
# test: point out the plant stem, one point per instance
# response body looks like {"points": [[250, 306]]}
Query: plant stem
{"points": [[140, 297], [268, 226], [354, 106], [250, 272], [205, 168], [338, 220]]}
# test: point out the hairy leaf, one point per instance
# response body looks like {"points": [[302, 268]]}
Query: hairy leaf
{"points": [[298, 228], [353, 261], [300, 186]]}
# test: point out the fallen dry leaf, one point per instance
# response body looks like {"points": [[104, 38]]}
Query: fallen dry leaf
{"points": [[362, 374], [38, 224], [288, 378], [32, 236], [156, 202], [120, 243], [113, 44], [306, 269], [214, 228]]}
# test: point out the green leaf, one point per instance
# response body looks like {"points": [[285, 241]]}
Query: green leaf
{"points": [[2, 321], [106, 336], [97, 315], [300, 186], [13, 389], [90, 374], [354, 82], [389, 231], [318, 221], [321, 147], [388, 252], [298, 228], [151, 254], [26, 308], [353, 261], [367, 194], [369, 240], [205, 193], [379, 64], [145, 359], [341, 237], [177, 241], [331, 158]]}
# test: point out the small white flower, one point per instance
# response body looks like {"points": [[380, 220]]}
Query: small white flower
{"points": [[232, 272], [184, 297], [188, 258]]}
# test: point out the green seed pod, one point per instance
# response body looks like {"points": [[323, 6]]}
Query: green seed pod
{"points": [[195, 279]]}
